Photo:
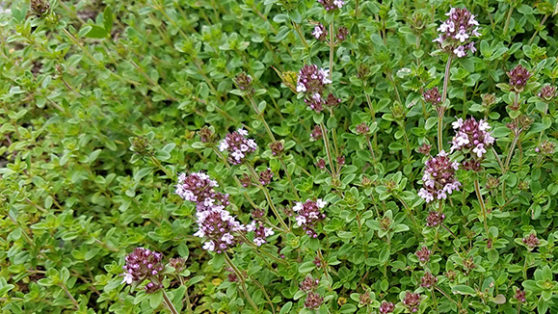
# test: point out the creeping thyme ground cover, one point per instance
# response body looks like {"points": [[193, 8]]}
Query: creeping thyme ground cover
{"points": [[278, 156]]}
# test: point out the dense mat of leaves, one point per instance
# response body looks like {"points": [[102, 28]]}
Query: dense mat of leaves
{"points": [[278, 156]]}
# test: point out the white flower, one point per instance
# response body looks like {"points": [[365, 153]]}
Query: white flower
{"points": [[460, 52], [300, 87], [209, 246], [462, 36], [128, 278], [242, 132], [223, 145], [320, 203], [297, 207], [317, 32], [425, 195], [479, 150], [300, 220], [457, 124]]}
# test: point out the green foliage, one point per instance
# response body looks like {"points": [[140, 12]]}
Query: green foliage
{"points": [[101, 107]]}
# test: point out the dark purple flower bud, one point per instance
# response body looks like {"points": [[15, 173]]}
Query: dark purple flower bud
{"points": [[547, 92], [316, 133], [153, 287], [257, 213], [40, 7], [245, 180], [432, 96], [341, 160], [276, 148], [321, 163], [243, 81], [412, 301], [313, 301], [386, 307], [342, 33], [309, 284], [423, 254], [265, 176], [332, 101], [531, 241], [435, 219], [424, 149], [178, 263], [362, 128], [428, 280], [206, 134], [518, 77], [520, 296], [318, 262]]}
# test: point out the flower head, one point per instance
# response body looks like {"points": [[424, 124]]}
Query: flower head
{"points": [[472, 137], [518, 77], [531, 241], [428, 280], [217, 226], [312, 81], [342, 33], [313, 301], [265, 176], [142, 264], [243, 81], [320, 32], [331, 5], [412, 301], [432, 96], [439, 178], [520, 296], [423, 254], [198, 187], [456, 34], [238, 146], [547, 92], [309, 283], [386, 307], [316, 133], [435, 219], [309, 214], [260, 232]]}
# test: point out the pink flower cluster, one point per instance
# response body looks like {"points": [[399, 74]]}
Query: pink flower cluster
{"points": [[218, 226], [312, 81], [260, 232], [199, 188], [456, 33], [309, 214], [142, 264], [439, 178], [412, 301], [238, 146], [215, 223], [472, 136], [330, 5]]}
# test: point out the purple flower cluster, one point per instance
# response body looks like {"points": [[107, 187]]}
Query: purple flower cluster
{"points": [[428, 280], [309, 284], [386, 307], [531, 241], [217, 225], [265, 176], [472, 136], [423, 254], [260, 232], [432, 96], [199, 188], [439, 178], [309, 214], [458, 31], [520, 296], [518, 77], [312, 81], [435, 218], [238, 146], [316, 133], [547, 92], [342, 33], [412, 301], [320, 32], [142, 264], [313, 301], [330, 5]]}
